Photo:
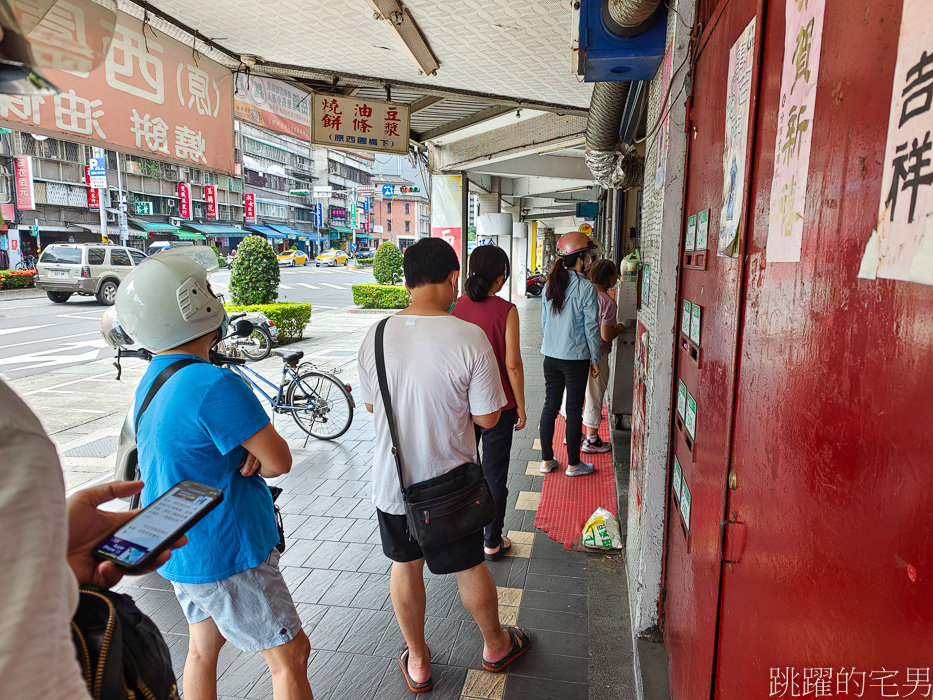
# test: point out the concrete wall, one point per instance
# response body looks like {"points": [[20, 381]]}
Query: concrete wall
{"points": [[660, 246]]}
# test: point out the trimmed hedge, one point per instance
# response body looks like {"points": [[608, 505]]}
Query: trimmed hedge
{"points": [[289, 317], [388, 263], [380, 296], [365, 262], [17, 279], [255, 276]]}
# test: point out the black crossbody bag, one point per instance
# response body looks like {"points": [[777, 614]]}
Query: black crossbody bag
{"points": [[448, 506]]}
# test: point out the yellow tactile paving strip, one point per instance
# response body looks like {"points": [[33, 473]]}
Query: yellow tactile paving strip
{"points": [[528, 500]]}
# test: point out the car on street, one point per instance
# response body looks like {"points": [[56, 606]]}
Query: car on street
{"points": [[366, 254], [332, 258], [293, 257], [88, 269]]}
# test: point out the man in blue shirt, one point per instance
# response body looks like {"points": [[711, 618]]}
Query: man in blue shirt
{"points": [[206, 425]]}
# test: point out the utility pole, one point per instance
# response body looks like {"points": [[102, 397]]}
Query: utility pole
{"points": [[104, 197], [121, 208]]}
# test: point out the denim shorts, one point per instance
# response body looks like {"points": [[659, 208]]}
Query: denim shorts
{"points": [[252, 609]]}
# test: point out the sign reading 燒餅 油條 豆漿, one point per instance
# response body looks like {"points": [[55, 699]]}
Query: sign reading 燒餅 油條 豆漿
{"points": [[339, 121]]}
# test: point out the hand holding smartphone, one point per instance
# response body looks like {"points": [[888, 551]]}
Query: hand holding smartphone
{"points": [[138, 543]]}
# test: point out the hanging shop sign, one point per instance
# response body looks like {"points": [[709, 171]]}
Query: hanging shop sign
{"points": [[338, 214], [93, 194], [353, 221], [184, 200], [735, 153], [319, 215], [25, 192], [272, 104], [803, 40], [249, 207], [902, 246], [210, 196], [368, 125], [151, 97], [447, 210], [142, 208]]}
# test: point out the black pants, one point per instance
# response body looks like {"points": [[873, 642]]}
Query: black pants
{"points": [[495, 445], [559, 375]]}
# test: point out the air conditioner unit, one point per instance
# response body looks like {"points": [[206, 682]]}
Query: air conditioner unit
{"points": [[174, 221], [183, 174]]}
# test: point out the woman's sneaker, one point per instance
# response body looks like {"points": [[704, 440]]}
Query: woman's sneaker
{"points": [[596, 446], [581, 469], [551, 466]]}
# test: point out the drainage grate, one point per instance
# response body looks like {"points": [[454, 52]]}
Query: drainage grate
{"points": [[97, 448]]}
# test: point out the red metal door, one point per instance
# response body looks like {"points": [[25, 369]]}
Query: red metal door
{"points": [[692, 571], [834, 426]]}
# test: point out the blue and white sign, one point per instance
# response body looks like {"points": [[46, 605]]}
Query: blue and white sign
{"points": [[318, 214], [388, 190], [365, 203], [97, 172], [353, 246]]}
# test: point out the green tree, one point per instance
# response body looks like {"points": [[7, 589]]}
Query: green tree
{"points": [[387, 265], [255, 276]]}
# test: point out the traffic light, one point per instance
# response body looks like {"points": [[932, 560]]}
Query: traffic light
{"points": [[406, 189]]}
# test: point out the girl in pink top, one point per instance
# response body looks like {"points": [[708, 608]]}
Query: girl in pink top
{"points": [[489, 271]]}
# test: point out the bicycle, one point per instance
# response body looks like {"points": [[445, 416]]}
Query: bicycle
{"points": [[27, 263], [319, 402]]}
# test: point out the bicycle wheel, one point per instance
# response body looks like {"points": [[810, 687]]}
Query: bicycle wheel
{"points": [[322, 406], [257, 346]]}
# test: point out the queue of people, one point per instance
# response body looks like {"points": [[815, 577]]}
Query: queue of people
{"points": [[447, 410]]}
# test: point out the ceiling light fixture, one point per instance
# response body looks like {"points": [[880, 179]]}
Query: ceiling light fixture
{"points": [[400, 22]]}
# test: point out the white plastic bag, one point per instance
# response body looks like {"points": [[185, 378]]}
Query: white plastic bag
{"points": [[602, 531]]}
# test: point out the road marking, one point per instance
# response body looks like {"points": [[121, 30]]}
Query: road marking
{"points": [[82, 315], [45, 358], [334, 286], [285, 286], [305, 284], [23, 329], [220, 284], [54, 391], [74, 381], [318, 306], [46, 340]]}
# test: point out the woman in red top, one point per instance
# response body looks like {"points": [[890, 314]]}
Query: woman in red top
{"points": [[489, 271]]}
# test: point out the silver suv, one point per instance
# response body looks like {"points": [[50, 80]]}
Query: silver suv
{"points": [[88, 269]]}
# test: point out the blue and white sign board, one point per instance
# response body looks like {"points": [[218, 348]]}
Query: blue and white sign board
{"points": [[353, 246], [365, 203], [318, 214], [97, 171], [388, 190]]}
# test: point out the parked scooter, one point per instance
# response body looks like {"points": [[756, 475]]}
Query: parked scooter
{"points": [[257, 345], [534, 284]]}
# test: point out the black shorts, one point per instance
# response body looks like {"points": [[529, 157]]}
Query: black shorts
{"points": [[449, 558]]}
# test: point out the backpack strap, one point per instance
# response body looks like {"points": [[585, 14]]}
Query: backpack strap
{"points": [[386, 399], [157, 384]]}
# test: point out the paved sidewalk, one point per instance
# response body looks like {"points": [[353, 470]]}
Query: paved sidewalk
{"points": [[572, 603]]}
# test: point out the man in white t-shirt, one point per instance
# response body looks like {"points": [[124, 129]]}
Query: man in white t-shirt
{"points": [[443, 377], [45, 553]]}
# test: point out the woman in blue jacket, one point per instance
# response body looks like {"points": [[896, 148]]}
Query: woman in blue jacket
{"points": [[571, 348]]}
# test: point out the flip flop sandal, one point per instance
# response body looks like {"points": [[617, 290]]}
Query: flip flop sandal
{"points": [[499, 553], [520, 643], [413, 686]]}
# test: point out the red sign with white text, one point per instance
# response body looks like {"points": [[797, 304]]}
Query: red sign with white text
{"points": [[249, 207], [93, 194], [184, 200], [25, 194], [210, 195]]}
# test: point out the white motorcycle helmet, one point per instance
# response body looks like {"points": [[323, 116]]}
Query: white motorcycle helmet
{"points": [[167, 301]]}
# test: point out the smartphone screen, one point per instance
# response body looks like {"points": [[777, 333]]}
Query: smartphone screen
{"points": [[159, 524]]}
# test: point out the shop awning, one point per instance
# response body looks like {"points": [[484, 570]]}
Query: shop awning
{"points": [[217, 230], [267, 232], [362, 235], [341, 229], [152, 226], [189, 236], [288, 231]]}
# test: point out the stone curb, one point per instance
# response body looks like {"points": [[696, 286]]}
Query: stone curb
{"points": [[8, 294]]}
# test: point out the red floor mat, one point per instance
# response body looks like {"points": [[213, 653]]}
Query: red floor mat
{"points": [[567, 502]]}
